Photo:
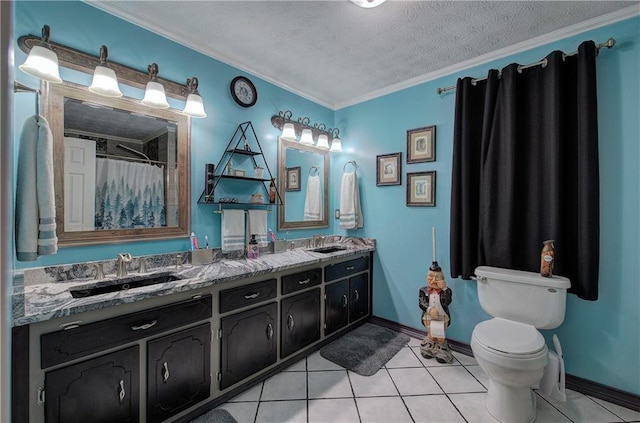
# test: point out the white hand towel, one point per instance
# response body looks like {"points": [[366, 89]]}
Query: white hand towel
{"points": [[35, 198], [232, 230], [350, 209], [257, 225], [313, 200]]}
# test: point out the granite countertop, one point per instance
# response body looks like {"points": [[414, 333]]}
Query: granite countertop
{"points": [[44, 300]]}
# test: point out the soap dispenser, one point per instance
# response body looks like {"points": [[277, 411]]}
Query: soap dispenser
{"points": [[253, 251]]}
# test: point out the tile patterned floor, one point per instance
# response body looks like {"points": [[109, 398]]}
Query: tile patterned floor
{"points": [[409, 388]]}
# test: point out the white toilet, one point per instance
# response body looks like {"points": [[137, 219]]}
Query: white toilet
{"points": [[509, 347]]}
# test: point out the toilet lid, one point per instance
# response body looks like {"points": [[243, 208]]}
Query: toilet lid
{"points": [[508, 336]]}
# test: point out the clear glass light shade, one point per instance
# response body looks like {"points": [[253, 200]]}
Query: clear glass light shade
{"points": [[323, 142], [336, 145], [154, 96], [367, 4], [105, 82], [289, 131], [307, 137], [194, 106], [42, 63]]}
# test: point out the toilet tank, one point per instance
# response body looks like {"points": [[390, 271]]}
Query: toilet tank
{"points": [[525, 297]]}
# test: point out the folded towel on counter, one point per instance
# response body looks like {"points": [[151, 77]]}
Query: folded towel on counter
{"points": [[232, 230], [313, 200], [257, 225], [35, 196], [350, 209]]}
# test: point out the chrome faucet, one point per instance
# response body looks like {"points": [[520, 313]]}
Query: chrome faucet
{"points": [[318, 241], [121, 265]]}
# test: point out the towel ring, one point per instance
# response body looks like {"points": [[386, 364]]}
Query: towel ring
{"points": [[353, 162], [312, 168]]}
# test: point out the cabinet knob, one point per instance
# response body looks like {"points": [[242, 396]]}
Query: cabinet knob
{"points": [[290, 322], [269, 331], [165, 372], [357, 295], [345, 301], [121, 392], [251, 296], [304, 282], [145, 326]]}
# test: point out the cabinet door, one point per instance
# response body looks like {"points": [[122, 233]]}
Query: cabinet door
{"points": [[248, 343], [178, 372], [103, 389], [336, 306], [299, 322], [359, 290]]}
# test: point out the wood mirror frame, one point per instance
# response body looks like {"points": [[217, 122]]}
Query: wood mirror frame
{"points": [[53, 104], [283, 223]]}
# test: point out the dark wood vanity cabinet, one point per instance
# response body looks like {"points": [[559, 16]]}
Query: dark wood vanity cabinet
{"points": [[247, 343], [346, 300], [299, 321], [178, 372], [103, 389]]}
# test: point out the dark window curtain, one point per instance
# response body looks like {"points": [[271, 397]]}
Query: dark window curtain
{"points": [[525, 169]]}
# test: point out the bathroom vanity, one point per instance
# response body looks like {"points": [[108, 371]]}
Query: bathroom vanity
{"points": [[169, 351]]}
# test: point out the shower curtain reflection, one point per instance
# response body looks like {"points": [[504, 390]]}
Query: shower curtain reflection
{"points": [[129, 195]]}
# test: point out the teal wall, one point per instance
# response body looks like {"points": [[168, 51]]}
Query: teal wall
{"points": [[600, 339], [86, 28]]}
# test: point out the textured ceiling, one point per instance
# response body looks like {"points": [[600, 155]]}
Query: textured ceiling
{"points": [[338, 54]]}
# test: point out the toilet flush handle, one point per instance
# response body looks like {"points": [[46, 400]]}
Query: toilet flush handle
{"points": [[479, 278]]}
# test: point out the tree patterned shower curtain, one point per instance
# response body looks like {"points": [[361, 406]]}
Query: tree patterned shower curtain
{"points": [[129, 195]]}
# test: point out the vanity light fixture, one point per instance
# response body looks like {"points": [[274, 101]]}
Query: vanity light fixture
{"points": [[336, 143], [154, 93], [42, 61], [368, 4], [308, 133], [105, 81], [194, 106]]}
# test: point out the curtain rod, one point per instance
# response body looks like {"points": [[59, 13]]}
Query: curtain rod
{"points": [[130, 159], [608, 44]]}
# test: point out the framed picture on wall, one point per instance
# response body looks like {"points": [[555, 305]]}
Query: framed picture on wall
{"points": [[293, 179], [421, 189], [421, 144], [388, 169]]}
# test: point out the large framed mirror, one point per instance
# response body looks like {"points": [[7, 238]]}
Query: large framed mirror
{"points": [[122, 170], [303, 183]]}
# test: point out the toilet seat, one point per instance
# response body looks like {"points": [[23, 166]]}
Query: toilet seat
{"points": [[509, 337]]}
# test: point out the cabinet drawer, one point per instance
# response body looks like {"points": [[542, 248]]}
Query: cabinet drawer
{"points": [[301, 280], [340, 270], [232, 299], [65, 345]]}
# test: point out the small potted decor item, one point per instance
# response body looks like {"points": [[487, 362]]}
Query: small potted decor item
{"points": [[546, 259]]}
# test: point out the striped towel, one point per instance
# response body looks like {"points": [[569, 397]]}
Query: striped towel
{"points": [[232, 230], [257, 225], [35, 196], [313, 200], [350, 209]]}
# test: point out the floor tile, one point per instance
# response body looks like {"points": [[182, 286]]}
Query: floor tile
{"points": [[382, 410], [317, 362], [244, 412], [300, 366], [438, 408], [404, 358], [471, 406], [624, 413], [546, 413], [253, 394], [414, 381], [377, 385], [329, 384], [464, 359], [455, 379], [581, 408], [414, 342], [285, 386], [282, 412], [431, 362], [479, 374], [341, 410]]}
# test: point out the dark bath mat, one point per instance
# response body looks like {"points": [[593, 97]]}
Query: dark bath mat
{"points": [[218, 415], [365, 349]]}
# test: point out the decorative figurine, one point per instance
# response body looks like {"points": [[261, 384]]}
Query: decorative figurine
{"points": [[434, 300]]}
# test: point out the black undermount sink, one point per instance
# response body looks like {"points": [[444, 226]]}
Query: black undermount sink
{"points": [[328, 249], [133, 282]]}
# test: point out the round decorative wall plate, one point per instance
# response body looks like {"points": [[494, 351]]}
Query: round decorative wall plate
{"points": [[243, 91]]}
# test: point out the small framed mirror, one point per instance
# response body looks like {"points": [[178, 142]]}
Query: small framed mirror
{"points": [[122, 170], [303, 180]]}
